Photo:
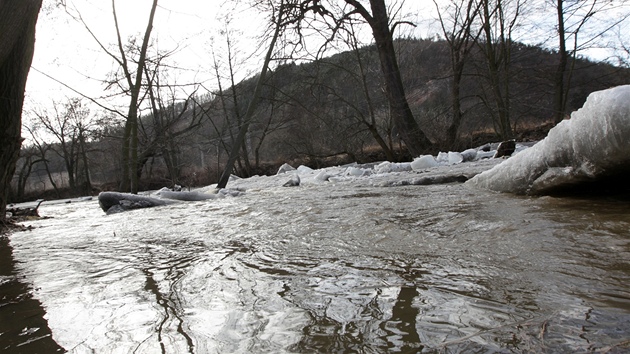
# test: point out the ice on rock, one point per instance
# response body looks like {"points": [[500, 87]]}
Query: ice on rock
{"points": [[423, 162], [485, 154], [186, 196], [594, 143], [293, 182]]}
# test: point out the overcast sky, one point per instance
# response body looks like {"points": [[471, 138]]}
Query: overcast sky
{"points": [[66, 51]]}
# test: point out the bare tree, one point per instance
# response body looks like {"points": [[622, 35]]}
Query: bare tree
{"points": [[131, 84], [379, 21], [368, 119], [43, 148], [29, 157], [623, 50], [573, 17], [130, 139], [171, 120], [17, 39], [70, 125], [377, 16], [230, 99], [499, 20], [278, 19], [457, 21]]}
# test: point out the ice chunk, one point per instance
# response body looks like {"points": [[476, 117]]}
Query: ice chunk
{"points": [[322, 176], [469, 155], [423, 162], [594, 143], [355, 172], [454, 158], [442, 158], [304, 169], [387, 167], [285, 168]]}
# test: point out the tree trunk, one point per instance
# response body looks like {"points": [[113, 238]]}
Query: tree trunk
{"points": [[409, 130], [87, 185], [453, 130], [129, 180], [559, 97], [237, 144], [17, 43], [460, 37], [497, 56]]}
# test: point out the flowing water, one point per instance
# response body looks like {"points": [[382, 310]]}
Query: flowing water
{"points": [[325, 268]]}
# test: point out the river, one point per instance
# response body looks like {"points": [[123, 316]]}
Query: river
{"points": [[335, 267]]}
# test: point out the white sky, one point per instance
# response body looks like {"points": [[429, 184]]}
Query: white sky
{"points": [[66, 51]]}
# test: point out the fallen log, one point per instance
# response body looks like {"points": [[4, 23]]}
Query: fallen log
{"points": [[114, 202], [18, 213]]}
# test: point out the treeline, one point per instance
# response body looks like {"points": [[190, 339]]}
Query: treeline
{"points": [[329, 111]]}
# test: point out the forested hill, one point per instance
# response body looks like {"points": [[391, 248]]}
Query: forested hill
{"points": [[338, 104]]}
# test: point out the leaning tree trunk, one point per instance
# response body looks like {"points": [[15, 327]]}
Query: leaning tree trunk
{"points": [[409, 130], [237, 144], [17, 42]]}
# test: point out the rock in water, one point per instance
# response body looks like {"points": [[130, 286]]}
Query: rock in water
{"points": [[593, 145], [505, 149]]}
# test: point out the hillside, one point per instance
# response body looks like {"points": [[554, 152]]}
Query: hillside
{"points": [[319, 109]]}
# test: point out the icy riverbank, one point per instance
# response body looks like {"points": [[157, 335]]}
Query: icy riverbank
{"points": [[593, 145]]}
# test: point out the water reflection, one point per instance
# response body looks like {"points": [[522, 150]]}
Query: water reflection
{"points": [[401, 328], [171, 307], [331, 329], [164, 264], [23, 328]]}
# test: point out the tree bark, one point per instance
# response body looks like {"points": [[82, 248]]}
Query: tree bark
{"points": [[17, 44]]}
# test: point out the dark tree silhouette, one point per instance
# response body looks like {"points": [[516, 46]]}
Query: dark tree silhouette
{"points": [[17, 43]]}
